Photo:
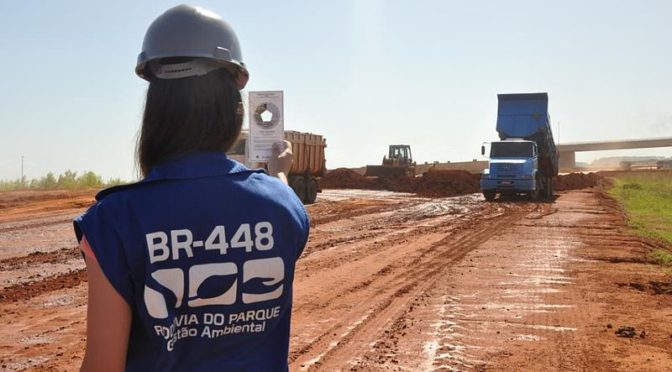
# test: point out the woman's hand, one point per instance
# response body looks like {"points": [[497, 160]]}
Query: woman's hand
{"points": [[282, 160]]}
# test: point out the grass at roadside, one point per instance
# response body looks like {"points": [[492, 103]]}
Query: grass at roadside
{"points": [[647, 199], [663, 256]]}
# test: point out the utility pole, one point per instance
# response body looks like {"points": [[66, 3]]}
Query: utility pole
{"points": [[23, 180]]}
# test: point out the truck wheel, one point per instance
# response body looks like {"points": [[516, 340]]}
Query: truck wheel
{"points": [[534, 194], [311, 190], [550, 188], [489, 195], [298, 184]]}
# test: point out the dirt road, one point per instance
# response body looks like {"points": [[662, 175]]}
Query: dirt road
{"points": [[390, 281]]}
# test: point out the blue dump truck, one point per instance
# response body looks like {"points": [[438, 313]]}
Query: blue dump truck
{"points": [[525, 160]]}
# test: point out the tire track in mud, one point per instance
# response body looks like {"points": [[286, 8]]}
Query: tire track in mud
{"points": [[392, 289], [26, 276], [33, 225], [392, 217], [371, 243], [384, 233], [517, 297], [26, 291], [39, 258], [335, 214], [384, 237], [19, 238], [394, 241], [422, 280], [45, 333], [426, 280]]}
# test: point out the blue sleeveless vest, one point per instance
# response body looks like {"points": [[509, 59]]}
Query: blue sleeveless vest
{"points": [[203, 250]]}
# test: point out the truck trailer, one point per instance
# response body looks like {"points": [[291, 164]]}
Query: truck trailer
{"points": [[525, 160], [308, 166]]}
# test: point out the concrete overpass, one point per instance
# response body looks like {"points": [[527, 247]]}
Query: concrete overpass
{"points": [[568, 150]]}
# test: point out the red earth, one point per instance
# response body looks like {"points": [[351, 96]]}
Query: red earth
{"points": [[395, 281]]}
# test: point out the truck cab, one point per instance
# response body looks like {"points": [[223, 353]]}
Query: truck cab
{"points": [[512, 169]]}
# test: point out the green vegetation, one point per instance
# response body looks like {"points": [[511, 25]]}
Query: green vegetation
{"points": [[647, 199], [662, 256], [68, 180]]}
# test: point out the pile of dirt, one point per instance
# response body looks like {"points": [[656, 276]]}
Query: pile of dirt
{"points": [[24, 291], [437, 183], [344, 178], [575, 181], [397, 183]]}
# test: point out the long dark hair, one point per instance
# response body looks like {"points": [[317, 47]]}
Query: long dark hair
{"points": [[189, 115]]}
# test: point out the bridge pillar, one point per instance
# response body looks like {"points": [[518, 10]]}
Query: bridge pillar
{"points": [[567, 160]]}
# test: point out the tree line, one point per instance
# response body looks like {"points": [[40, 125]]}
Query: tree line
{"points": [[66, 180]]}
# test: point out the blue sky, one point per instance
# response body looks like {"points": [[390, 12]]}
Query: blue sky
{"points": [[364, 74]]}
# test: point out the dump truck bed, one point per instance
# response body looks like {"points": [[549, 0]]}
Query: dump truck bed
{"points": [[308, 153], [309, 161], [525, 116]]}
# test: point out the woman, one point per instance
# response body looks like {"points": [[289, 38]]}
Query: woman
{"points": [[191, 268]]}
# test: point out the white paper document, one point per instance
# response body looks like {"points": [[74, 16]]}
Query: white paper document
{"points": [[266, 124]]}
